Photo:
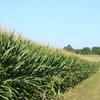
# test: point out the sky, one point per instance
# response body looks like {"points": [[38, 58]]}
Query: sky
{"points": [[54, 22]]}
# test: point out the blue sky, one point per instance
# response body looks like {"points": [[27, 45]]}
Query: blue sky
{"points": [[57, 22]]}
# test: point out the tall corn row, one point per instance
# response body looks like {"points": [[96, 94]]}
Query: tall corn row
{"points": [[29, 71]]}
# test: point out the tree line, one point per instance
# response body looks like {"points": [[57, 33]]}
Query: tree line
{"points": [[85, 50]]}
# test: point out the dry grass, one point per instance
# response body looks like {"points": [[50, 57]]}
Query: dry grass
{"points": [[90, 57]]}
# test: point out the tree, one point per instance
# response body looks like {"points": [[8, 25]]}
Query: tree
{"points": [[68, 48], [86, 50], [78, 51], [96, 50]]}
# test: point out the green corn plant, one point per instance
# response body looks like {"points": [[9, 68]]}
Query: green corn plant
{"points": [[31, 71]]}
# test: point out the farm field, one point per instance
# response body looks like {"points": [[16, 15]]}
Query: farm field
{"points": [[50, 50], [31, 71], [95, 58]]}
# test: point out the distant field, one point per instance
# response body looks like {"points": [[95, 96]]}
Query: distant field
{"points": [[90, 57]]}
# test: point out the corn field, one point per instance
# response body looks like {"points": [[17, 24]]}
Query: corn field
{"points": [[30, 71]]}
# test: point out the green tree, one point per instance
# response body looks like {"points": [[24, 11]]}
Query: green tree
{"points": [[78, 50], [96, 50], [86, 50], [68, 48]]}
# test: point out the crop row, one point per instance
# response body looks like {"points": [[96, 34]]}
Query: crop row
{"points": [[30, 71]]}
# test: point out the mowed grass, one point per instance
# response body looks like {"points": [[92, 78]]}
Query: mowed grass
{"points": [[88, 89]]}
